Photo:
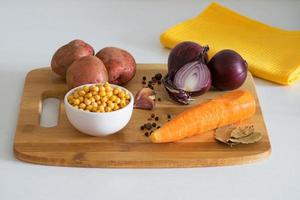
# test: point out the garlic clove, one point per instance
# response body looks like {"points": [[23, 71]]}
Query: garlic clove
{"points": [[144, 99]]}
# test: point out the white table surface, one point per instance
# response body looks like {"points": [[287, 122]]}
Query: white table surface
{"points": [[30, 31]]}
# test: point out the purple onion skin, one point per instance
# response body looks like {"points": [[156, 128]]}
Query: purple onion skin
{"points": [[228, 70], [182, 54], [179, 96]]}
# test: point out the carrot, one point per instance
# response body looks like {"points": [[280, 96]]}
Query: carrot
{"points": [[221, 111]]}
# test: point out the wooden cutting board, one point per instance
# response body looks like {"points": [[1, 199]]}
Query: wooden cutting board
{"points": [[63, 145]]}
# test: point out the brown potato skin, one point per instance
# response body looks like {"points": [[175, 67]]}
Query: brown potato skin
{"points": [[67, 54], [119, 63], [88, 69]]}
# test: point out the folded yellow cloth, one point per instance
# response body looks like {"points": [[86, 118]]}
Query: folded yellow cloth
{"points": [[271, 53]]}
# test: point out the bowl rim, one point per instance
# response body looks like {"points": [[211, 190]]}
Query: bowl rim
{"points": [[66, 103]]}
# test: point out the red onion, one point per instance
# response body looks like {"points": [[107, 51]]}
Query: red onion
{"points": [[193, 77], [184, 53], [187, 79], [228, 70]]}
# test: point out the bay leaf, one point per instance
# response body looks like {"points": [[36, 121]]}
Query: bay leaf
{"points": [[252, 138], [240, 132], [223, 134]]}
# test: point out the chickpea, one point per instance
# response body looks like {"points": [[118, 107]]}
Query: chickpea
{"points": [[104, 104], [92, 99], [116, 107], [89, 95], [94, 104], [87, 102], [117, 100], [97, 97], [94, 109], [109, 93], [76, 107], [110, 104], [112, 98], [123, 103], [89, 107], [104, 99], [101, 108], [96, 89], [107, 109], [121, 94], [81, 92], [86, 88], [81, 99], [76, 102], [76, 95], [102, 93], [107, 88], [82, 105], [98, 102], [102, 88], [127, 96], [92, 88], [116, 91], [70, 97], [70, 102]]}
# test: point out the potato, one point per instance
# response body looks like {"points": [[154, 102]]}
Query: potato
{"points": [[119, 63], [88, 69], [67, 54]]}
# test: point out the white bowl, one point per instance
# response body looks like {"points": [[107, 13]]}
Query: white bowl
{"points": [[99, 124]]}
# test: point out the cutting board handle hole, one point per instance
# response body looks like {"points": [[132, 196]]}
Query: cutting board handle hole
{"points": [[49, 112]]}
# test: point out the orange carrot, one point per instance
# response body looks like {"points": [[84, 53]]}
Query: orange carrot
{"points": [[221, 111]]}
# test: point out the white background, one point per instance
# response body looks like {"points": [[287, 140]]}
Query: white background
{"points": [[30, 31]]}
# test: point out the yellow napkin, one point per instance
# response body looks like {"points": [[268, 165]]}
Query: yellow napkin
{"points": [[271, 53]]}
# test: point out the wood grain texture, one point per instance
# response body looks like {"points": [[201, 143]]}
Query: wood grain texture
{"points": [[63, 145]]}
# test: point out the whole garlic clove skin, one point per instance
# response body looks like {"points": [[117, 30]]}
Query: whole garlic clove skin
{"points": [[144, 99]]}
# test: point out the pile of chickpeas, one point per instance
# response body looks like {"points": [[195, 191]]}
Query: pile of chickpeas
{"points": [[99, 98]]}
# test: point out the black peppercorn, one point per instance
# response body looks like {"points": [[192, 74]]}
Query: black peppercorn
{"points": [[158, 76], [148, 126]]}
